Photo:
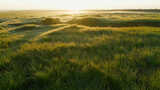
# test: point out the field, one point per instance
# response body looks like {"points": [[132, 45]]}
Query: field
{"points": [[87, 50]]}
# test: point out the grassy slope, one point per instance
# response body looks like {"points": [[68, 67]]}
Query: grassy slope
{"points": [[76, 57]]}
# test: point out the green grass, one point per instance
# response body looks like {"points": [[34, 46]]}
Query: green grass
{"points": [[83, 55], [103, 22]]}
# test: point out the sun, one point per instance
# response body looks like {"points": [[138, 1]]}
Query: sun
{"points": [[75, 11]]}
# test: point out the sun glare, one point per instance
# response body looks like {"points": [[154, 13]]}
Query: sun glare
{"points": [[75, 12]]}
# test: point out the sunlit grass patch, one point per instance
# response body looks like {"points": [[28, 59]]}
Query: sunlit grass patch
{"points": [[44, 46], [26, 28], [1, 28], [6, 39]]}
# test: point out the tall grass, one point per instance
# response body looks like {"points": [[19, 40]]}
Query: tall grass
{"points": [[78, 57]]}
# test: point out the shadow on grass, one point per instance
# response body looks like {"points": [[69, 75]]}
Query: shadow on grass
{"points": [[2, 20], [35, 21]]}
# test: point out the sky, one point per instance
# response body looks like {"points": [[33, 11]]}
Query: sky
{"points": [[77, 4]]}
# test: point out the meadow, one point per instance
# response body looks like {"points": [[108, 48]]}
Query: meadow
{"points": [[87, 50]]}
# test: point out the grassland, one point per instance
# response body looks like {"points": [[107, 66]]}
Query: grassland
{"points": [[89, 51]]}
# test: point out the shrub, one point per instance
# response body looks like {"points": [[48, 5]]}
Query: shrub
{"points": [[49, 21], [89, 21]]}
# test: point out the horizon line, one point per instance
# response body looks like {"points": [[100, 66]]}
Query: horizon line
{"points": [[75, 10]]}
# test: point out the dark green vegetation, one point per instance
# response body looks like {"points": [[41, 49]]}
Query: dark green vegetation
{"points": [[50, 21], [85, 52], [102, 22]]}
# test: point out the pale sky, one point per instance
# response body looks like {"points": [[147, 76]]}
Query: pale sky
{"points": [[78, 4]]}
